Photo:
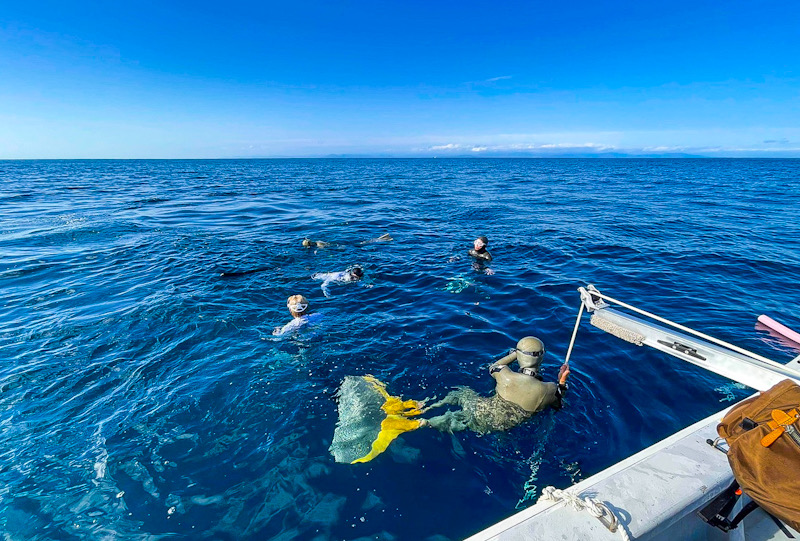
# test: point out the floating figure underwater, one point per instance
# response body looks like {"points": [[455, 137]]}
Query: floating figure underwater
{"points": [[298, 307], [370, 418], [353, 274], [308, 243], [386, 237]]}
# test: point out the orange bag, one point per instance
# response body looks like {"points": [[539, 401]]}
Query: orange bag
{"points": [[763, 434]]}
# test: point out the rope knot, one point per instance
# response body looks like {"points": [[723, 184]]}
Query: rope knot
{"points": [[598, 510]]}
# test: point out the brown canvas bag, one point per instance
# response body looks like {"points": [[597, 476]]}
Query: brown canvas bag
{"points": [[770, 475]]}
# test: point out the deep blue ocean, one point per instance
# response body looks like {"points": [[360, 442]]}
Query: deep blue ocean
{"points": [[143, 395]]}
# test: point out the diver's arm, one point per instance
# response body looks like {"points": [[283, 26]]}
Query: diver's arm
{"points": [[324, 287], [561, 386], [295, 323], [498, 365], [486, 256]]}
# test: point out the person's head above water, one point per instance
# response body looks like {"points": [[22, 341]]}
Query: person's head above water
{"points": [[356, 273], [481, 243], [530, 352], [297, 305], [308, 243]]}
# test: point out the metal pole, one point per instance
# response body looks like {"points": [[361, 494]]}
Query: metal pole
{"points": [[574, 333]]}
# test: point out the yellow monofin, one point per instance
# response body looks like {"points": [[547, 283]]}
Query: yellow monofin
{"points": [[369, 419], [396, 422]]}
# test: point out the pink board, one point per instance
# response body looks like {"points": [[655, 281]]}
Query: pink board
{"points": [[779, 328]]}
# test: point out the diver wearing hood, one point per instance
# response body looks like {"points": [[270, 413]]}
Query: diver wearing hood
{"points": [[526, 388], [518, 395]]}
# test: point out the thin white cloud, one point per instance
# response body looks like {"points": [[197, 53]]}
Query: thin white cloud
{"points": [[501, 78], [449, 146], [558, 146], [521, 147]]}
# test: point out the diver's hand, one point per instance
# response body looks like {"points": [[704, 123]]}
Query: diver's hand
{"points": [[563, 373]]}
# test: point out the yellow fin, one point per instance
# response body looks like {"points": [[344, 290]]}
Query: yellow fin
{"points": [[396, 421], [391, 427]]}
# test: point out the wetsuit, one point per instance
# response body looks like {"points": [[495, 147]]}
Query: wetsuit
{"points": [[296, 323], [483, 254], [495, 413], [332, 277]]}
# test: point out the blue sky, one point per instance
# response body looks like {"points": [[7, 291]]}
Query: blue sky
{"points": [[410, 78]]}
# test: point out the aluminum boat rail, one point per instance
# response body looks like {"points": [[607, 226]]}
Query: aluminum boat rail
{"points": [[700, 349]]}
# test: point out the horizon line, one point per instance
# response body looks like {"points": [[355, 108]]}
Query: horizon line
{"points": [[355, 156]]}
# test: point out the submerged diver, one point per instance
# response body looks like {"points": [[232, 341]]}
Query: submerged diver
{"points": [[353, 274], [308, 243], [479, 250], [386, 237], [518, 395], [298, 307]]}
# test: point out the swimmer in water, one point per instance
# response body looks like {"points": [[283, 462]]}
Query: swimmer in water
{"points": [[479, 251], [518, 395], [386, 237], [298, 307], [307, 243], [353, 274]]}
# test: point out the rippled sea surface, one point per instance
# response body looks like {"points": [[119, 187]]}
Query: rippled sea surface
{"points": [[143, 395]]}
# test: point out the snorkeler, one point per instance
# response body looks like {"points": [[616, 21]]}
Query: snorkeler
{"points": [[479, 251], [353, 274], [307, 243], [386, 237], [518, 395], [298, 307]]}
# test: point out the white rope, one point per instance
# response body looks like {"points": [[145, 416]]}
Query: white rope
{"points": [[596, 509]]}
